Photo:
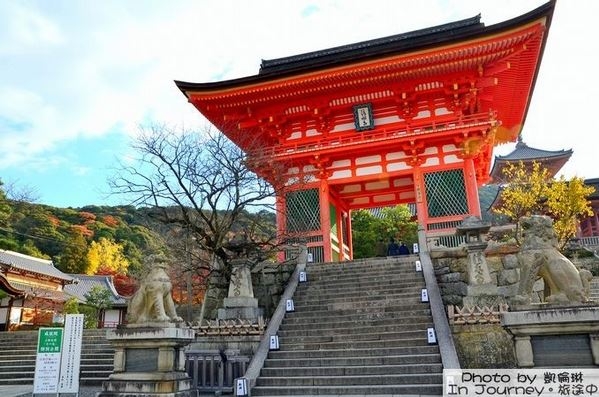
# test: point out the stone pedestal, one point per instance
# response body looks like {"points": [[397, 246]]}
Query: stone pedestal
{"points": [[240, 302], [149, 361], [551, 321]]}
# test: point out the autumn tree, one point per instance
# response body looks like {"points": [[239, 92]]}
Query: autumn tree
{"points": [[532, 191], [107, 254], [567, 203]]}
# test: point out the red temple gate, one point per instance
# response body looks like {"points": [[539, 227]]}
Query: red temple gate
{"points": [[411, 118]]}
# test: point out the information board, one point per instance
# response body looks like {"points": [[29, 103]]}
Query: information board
{"points": [[47, 360], [71, 354]]}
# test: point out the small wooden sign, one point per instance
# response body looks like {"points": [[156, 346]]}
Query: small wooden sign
{"points": [[363, 117]]}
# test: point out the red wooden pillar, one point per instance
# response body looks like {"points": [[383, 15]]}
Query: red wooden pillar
{"points": [[339, 228], [350, 243], [471, 187], [325, 220], [420, 193], [281, 223]]}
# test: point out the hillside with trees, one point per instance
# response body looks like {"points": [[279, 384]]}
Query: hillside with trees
{"points": [[109, 240]]}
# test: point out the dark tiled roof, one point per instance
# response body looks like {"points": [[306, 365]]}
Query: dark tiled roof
{"points": [[524, 152], [40, 292], [594, 182], [85, 283], [31, 264], [379, 46]]}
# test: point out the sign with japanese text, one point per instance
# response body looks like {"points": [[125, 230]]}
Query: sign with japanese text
{"points": [[71, 354], [47, 360]]}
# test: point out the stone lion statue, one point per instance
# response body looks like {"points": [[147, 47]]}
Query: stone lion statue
{"points": [[540, 258], [153, 302]]}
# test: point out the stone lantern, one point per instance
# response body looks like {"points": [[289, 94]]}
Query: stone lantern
{"points": [[473, 228]]}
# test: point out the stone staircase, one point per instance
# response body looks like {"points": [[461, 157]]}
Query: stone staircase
{"points": [[595, 289], [358, 328], [18, 350]]}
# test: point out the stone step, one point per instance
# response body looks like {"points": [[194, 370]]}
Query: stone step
{"points": [[318, 338], [359, 344], [359, 330], [334, 391], [351, 370], [349, 353], [365, 263], [405, 272], [346, 380], [341, 307], [357, 294], [364, 321], [428, 359], [359, 285], [365, 318]]}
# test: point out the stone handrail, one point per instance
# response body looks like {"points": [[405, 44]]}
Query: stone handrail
{"points": [[449, 356], [253, 370]]}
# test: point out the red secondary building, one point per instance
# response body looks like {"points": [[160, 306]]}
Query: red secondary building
{"points": [[410, 118]]}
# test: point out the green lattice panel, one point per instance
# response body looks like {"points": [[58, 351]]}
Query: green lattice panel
{"points": [[303, 211], [445, 193]]}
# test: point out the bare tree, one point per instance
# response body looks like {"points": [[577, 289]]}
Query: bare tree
{"points": [[20, 193], [199, 183]]}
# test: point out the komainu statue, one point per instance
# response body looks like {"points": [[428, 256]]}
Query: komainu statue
{"points": [[153, 302], [540, 258]]}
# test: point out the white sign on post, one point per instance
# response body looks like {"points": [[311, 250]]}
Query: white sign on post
{"points": [[415, 248], [274, 342], [418, 266], [431, 336], [302, 277], [71, 354], [241, 387], [424, 295], [47, 361], [289, 306]]}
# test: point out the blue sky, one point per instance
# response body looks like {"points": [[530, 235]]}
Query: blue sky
{"points": [[77, 77]]}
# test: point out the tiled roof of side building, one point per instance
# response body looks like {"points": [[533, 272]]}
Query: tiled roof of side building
{"points": [[84, 284], [525, 152], [43, 267]]}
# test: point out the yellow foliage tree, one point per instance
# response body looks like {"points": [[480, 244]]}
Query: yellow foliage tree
{"points": [[526, 191], [532, 191], [106, 254], [567, 203]]}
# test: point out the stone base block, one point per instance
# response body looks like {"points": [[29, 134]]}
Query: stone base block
{"points": [[242, 313]]}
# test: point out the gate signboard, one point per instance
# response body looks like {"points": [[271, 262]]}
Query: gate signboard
{"points": [[71, 354], [47, 361]]}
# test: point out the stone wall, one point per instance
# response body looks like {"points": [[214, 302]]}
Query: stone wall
{"points": [[269, 283], [484, 346]]}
